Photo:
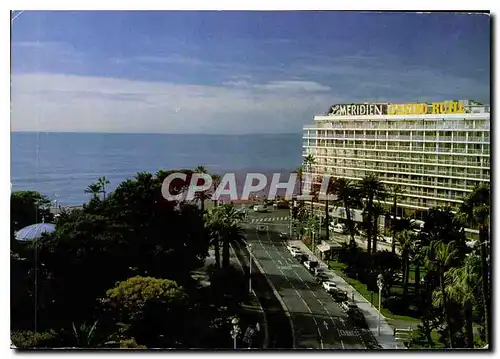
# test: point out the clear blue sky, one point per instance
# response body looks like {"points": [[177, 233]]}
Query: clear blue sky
{"points": [[235, 72]]}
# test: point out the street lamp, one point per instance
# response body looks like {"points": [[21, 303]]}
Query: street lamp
{"points": [[249, 246], [380, 285], [235, 331]]}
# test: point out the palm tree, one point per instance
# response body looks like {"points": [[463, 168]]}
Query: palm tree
{"points": [[417, 253], [94, 189], [371, 188], [224, 224], [216, 180], [347, 196], [200, 169], [462, 285], [312, 226], [475, 212], [440, 257], [395, 192], [329, 192], [202, 196], [405, 241], [103, 184], [309, 161], [299, 177], [378, 210]]}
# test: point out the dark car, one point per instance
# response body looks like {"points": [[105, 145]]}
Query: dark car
{"points": [[357, 317], [321, 277], [339, 295], [302, 258]]}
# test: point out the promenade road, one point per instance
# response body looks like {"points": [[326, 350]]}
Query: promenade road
{"points": [[319, 322]]}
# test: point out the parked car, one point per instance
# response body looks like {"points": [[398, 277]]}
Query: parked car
{"points": [[310, 265], [283, 235], [261, 228], [348, 305], [340, 228], [291, 247], [339, 295], [322, 277], [329, 286], [302, 258], [357, 317], [296, 252], [260, 208], [318, 270]]}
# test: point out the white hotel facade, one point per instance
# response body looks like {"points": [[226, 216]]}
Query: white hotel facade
{"points": [[436, 157]]}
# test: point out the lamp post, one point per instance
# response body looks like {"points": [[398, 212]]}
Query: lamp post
{"points": [[380, 285], [236, 330], [249, 246]]}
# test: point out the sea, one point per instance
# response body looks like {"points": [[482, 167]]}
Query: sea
{"points": [[62, 165]]}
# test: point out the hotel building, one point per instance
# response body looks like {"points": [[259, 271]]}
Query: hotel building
{"points": [[436, 152]]}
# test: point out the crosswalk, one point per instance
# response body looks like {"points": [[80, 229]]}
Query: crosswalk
{"points": [[269, 219]]}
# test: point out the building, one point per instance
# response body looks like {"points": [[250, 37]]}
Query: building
{"points": [[436, 152]]}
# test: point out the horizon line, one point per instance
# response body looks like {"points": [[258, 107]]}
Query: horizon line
{"points": [[161, 133]]}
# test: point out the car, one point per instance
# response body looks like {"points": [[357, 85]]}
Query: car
{"points": [[357, 317], [260, 208], [292, 247], [310, 265], [283, 235], [347, 306], [322, 277], [302, 258], [296, 252], [329, 285], [318, 270], [261, 228], [340, 228], [339, 295]]}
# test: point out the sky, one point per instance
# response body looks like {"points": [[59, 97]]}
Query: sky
{"points": [[234, 72]]}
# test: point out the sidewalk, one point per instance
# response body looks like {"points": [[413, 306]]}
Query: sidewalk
{"points": [[386, 338]]}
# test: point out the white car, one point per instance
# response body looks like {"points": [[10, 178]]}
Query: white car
{"points": [[329, 286], [296, 252], [290, 248], [340, 228], [310, 264], [348, 306]]}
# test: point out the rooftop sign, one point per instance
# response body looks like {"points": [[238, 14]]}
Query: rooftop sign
{"points": [[359, 109], [437, 108], [364, 109]]}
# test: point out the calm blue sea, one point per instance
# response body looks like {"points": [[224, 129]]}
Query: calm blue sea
{"points": [[62, 165]]}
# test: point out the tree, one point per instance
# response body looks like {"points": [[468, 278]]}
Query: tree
{"points": [[395, 192], [405, 241], [329, 191], [223, 224], [378, 210], [347, 196], [309, 161], [371, 188], [216, 180], [440, 258], [28, 207], [462, 284], [475, 212], [299, 178], [103, 185], [94, 189], [150, 309]]}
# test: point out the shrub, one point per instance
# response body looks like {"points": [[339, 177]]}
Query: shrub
{"points": [[30, 339]]}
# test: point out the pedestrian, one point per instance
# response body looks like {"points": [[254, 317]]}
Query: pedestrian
{"points": [[257, 327]]}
